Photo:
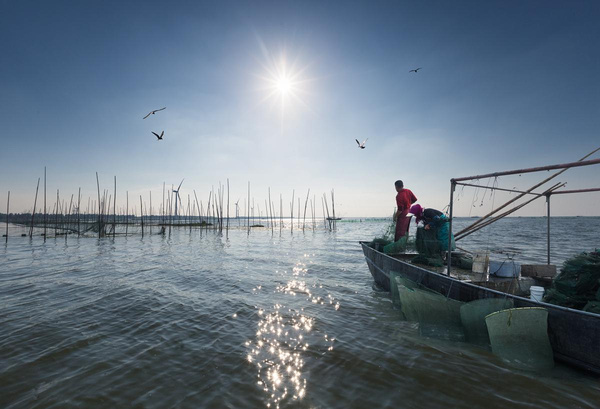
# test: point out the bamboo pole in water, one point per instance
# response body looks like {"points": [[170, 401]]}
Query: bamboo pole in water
{"points": [[312, 212], [7, 213], [228, 206], [142, 215], [150, 214], [248, 215], [34, 206], [170, 199], [292, 212], [271, 212], [199, 213], [127, 213], [323, 210], [45, 214], [327, 209], [99, 210], [333, 209], [280, 214], [79, 212], [273, 223], [69, 218], [56, 214], [108, 210], [305, 205], [115, 210]]}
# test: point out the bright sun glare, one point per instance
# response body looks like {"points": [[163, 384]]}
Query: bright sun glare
{"points": [[283, 83]]}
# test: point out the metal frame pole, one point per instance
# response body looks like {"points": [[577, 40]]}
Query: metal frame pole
{"points": [[449, 258]]}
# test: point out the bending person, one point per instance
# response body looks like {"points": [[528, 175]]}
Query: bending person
{"points": [[434, 219]]}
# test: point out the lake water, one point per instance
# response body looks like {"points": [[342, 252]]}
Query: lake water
{"points": [[202, 320]]}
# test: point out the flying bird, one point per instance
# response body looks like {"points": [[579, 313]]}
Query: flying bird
{"points": [[153, 112], [416, 69], [361, 145], [159, 136]]}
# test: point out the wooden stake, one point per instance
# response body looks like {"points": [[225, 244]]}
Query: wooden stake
{"points": [[115, 210], [305, 205], [45, 214], [79, 212], [99, 209], [142, 215], [227, 206], [34, 206], [7, 213], [292, 212], [127, 214]]}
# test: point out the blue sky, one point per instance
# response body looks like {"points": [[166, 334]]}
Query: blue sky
{"points": [[504, 85]]}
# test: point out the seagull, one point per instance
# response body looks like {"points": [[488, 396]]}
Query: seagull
{"points": [[153, 112], [159, 136], [416, 69], [361, 145]]}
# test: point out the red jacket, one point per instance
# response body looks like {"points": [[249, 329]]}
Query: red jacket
{"points": [[404, 199]]}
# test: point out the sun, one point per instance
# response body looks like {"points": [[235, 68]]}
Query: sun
{"points": [[284, 84]]}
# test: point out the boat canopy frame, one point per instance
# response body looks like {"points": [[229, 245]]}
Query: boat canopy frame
{"points": [[548, 193]]}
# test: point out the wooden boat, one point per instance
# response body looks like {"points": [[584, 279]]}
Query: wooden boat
{"points": [[574, 335]]}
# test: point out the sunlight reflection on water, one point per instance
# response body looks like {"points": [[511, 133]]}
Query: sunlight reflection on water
{"points": [[285, 334]]}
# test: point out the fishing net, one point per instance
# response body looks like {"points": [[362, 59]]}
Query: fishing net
{"points": [[473, 313], [428, 307], [386, 243], [578, 284], [428, 261], [592, 306], [397, 246], [427, 243], [519, 336]]}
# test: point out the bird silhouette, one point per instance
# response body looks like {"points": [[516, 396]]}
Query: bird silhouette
{"points": [[153, 112], [361, 145], [416, 69], [159, 136]]}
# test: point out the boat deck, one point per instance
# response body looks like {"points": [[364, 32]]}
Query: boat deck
{"points": [[509, 285]]}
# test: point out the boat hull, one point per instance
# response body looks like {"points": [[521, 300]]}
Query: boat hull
{"points": [[574, 334]]}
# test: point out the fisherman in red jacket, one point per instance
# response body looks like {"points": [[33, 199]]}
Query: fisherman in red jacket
{"points": [[404, 199]]}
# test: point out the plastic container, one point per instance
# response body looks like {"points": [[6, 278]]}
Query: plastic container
{"points": [[480, 262], [537, 293], [506, 268]]}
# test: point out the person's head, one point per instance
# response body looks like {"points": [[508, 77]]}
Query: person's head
{"points": [[399, 185], [417, 211]]}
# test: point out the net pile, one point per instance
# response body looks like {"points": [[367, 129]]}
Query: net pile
{"points": [[386, 243], [428, 247], [578, 284]]}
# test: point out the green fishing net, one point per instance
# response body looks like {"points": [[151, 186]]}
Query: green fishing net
{"points": [[578, 284], [473, 313], [397, 246], [519, 336], [386, 242]]}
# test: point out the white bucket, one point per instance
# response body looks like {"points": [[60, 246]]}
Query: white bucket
{"points": [[480, 262], [537, 293]]}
